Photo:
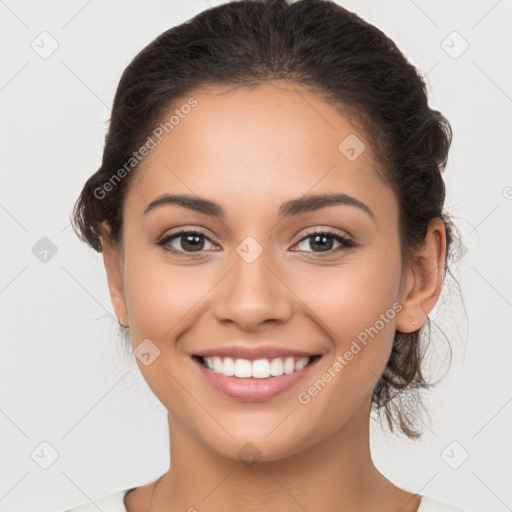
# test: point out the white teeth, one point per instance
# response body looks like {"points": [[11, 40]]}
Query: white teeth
{"points": [[276, 367], [289, 365], [258, 369], [217, 364], [228, 367], [261, 369], [243, 368], [301, 363]]}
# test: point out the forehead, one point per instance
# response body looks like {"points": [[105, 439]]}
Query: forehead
{"points": [[256, 146]]}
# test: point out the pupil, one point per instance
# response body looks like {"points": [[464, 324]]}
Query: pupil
{"points": [[194, 246], [323, 238]]}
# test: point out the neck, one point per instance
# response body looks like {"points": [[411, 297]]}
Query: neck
{"points": [[335, 474]]}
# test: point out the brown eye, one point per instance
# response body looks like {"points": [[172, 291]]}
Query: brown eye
{"points": [[323, 241], [184, 242]]}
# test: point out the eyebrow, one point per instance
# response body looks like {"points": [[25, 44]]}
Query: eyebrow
{"points": [[302, 204]]}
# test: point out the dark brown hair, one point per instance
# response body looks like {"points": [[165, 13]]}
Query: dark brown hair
{"points": [[330, 51]]}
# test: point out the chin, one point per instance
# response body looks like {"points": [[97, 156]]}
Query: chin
{"points": [[250, 443]]}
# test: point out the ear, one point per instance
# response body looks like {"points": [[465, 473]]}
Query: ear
{"points": [[113, 261], [424, 280]]}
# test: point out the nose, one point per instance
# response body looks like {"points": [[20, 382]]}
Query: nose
{"points": [[253, 293]]}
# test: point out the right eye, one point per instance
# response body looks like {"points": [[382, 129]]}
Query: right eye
{"points": [[190, 241]]}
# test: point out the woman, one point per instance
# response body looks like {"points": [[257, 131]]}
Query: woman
{"points": [[270, 209]]}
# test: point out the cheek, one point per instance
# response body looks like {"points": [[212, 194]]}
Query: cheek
{"points": [[356, 303], [161, 296]]}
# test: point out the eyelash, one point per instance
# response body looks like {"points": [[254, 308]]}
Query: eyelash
{"points": [[345, 242]]}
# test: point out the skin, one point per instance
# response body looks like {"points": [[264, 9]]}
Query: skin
{"points": [[236, 148]]}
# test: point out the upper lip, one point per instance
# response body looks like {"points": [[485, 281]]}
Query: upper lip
{"points": [[252, 353]]}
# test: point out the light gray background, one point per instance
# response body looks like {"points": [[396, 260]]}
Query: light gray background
{"points": [[63, 378]]}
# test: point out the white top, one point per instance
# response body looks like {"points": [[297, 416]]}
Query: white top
{"points": [[114, 503]]}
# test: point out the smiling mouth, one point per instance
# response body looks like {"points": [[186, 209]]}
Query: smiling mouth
{"points": [[256, 369]]}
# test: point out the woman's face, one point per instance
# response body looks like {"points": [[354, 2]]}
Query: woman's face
{"points": [[256, 276]]}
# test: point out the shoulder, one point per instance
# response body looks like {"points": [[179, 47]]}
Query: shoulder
{"points": [[111, 503], [431, 505]]}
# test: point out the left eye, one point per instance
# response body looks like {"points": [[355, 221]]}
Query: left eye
{"points": [[324, 240]]}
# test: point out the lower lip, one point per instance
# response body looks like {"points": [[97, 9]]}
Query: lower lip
{"points": [[251, 389]]}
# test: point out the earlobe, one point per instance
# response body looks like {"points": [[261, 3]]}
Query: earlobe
{"points": [[113, 268], [424, 279]]}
